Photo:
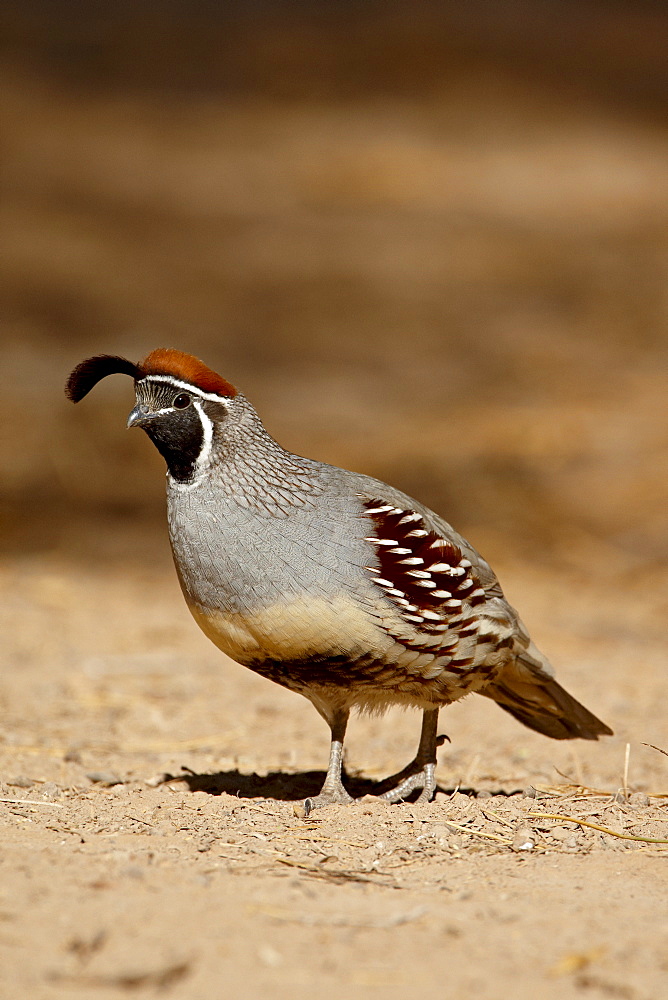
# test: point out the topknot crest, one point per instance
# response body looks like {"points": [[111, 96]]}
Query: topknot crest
{"points": [[178, 364]]}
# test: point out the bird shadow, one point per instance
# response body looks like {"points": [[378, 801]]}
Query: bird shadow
{"points": [[283, 786], [274, 785]]}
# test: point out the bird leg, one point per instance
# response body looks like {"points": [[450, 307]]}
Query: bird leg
{"points": [[332, 789], [420, 772]]}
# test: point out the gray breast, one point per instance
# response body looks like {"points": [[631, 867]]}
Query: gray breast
{"points": [[237, 558]]}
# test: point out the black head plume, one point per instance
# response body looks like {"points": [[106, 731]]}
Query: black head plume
{"points": [[89, 372]]}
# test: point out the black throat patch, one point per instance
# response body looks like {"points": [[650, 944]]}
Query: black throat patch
{"points": [[179, 437]]}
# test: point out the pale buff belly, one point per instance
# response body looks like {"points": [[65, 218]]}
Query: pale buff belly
{"points": [[308, 647], [295, 631]]}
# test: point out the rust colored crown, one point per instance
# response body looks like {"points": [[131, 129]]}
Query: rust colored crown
{"points": [[178, 364]]}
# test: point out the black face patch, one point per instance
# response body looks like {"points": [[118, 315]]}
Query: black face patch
{"points": [[179, 437], [176, 431]]}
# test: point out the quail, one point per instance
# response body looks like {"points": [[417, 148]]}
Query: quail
{"points": [[328, 582]]}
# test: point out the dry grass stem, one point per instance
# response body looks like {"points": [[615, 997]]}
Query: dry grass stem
{"points": [[627, 759], [479, 833], [595, 826], [651, 745], [32, 802]]}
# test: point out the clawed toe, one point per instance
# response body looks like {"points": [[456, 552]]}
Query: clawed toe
{"points": [[327, 797], [424, 779]]}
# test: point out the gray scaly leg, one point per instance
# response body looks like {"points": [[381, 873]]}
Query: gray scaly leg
{"points": [[332, 789], [420, 772]]}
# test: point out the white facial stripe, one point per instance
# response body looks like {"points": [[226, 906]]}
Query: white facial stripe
{"points": [[203, 459], [178, 384], [165, 409]]}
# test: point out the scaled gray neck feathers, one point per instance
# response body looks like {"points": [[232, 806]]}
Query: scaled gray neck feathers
{"points": [[242, 462]]}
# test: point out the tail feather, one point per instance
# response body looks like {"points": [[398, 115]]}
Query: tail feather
{"points": [[528, 691]]}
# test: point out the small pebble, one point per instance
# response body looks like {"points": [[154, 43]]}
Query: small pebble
{"points": [[560, 833], [50, 790], [439, 830], [20, 781], [523, 839], [639, 799], [530, 792], [104, 778], [484, 794]]}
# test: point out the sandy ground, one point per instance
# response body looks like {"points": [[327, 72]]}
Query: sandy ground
{"points": [[431, 251], [150, 839]]}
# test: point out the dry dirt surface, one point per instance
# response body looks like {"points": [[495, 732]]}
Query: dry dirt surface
{"points": [[431, 248], [152, 839]]}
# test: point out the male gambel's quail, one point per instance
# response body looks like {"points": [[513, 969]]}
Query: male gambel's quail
{"points": [[329, 582]]}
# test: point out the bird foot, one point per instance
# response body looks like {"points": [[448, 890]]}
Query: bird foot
{"points": [[413, 776], [334, 795], [424, 779]]}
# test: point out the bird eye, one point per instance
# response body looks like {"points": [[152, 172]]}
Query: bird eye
{"points": [[181, 401]]}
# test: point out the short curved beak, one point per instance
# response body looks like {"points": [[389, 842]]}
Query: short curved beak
{"points": [[139, 416]]}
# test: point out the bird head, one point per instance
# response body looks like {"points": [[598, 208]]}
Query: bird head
{"points": [[179, 403]]}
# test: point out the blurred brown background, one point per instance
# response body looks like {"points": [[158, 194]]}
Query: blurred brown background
{"points": [[429, 242]]}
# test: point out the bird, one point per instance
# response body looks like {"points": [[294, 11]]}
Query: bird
{"points": [[329, 582]]}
